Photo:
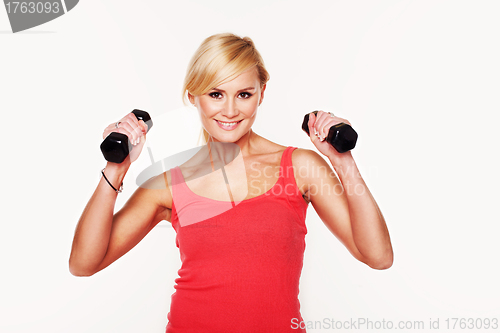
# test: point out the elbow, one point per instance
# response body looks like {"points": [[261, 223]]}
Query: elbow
{"points": [[80, 273], [77, 270], [381, 263]]}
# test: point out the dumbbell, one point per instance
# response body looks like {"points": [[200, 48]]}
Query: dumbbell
{"points": [[341, 136], [116, 146]]}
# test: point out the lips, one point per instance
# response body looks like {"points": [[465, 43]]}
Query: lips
{"points": [[228, 128]]}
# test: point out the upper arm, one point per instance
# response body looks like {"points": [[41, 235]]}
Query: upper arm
{"points": [[325, 192], [148, 205]]}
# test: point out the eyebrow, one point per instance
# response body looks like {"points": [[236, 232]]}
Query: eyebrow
{"points": [[247, 88]]}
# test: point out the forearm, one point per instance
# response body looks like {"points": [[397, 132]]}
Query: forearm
{"points": [[369, 229], [93, 230]]}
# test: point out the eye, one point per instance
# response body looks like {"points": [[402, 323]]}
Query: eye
{"points": [[215, 95], [245, 95]]}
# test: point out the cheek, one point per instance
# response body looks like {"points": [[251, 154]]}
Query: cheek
{"points": [[250, 106], [207, 108]]}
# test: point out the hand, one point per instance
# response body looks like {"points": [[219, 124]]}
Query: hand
{"points": [[134, 129], [319, 126]]}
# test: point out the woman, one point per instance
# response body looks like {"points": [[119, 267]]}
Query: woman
{"points": [[240, 265]]}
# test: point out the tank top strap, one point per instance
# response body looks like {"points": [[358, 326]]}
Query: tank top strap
{"points": [[176, 176], [291, 190], [180, 191], [287, 166]]}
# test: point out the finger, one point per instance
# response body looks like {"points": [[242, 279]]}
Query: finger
{"points": [[320, 124], [328, 122], [144, 126], [137, 132], [131, 119], [139, 127], [129, 130], [131, 123], [313, 137], [133, 132], [142, 139]]}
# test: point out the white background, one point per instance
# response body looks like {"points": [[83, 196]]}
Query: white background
{"points": [[419, 81]]}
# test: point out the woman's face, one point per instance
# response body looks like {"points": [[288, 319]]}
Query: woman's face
{"points": [[228, 111]]}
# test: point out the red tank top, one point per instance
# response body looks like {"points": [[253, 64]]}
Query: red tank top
{"points": [[240, 269]]}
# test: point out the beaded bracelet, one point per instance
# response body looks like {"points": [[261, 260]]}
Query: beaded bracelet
{"points": [[117, 191]]}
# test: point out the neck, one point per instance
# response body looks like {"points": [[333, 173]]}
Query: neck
{"points": [[247, 143]]}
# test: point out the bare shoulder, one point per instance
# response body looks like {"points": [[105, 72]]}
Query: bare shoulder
{"points": [[306, 158], [158, 190], [307, 165]]}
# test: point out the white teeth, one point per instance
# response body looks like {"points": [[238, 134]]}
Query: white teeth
{"points": [[227, 124]]}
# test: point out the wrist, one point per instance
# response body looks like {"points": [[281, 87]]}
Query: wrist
{"points": [[117, 168], [113, 175]]}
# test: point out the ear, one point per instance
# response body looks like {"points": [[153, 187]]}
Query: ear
{"points": [[191, 98], [262, 94]]}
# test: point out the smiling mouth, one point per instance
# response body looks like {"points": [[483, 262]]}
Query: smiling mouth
{"points": [[229, 123]]}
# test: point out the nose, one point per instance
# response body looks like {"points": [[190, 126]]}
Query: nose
{"points": [[230, 109]]}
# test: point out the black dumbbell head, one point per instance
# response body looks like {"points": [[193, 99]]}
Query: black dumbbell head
{"points": [[341, 136], [116, 146], [144, 116]]}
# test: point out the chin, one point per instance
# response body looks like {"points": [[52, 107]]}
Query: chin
{"points": [[229, 139]]}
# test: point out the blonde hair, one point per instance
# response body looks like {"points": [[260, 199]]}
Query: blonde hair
{"points": [[219, 59]]}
